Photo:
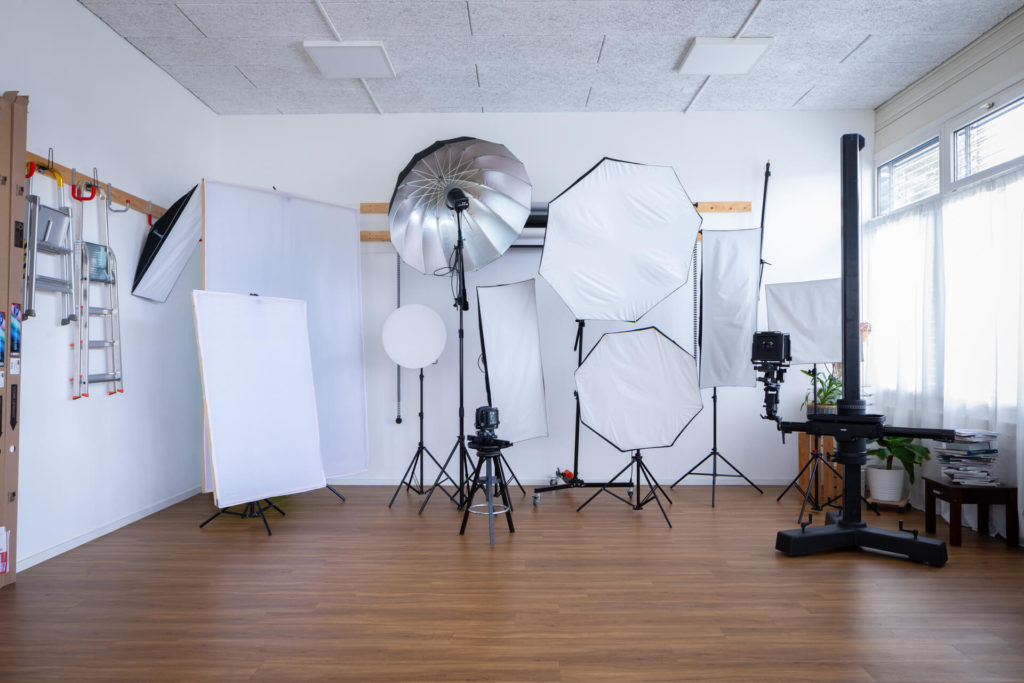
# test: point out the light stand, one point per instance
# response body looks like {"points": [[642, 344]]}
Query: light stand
{"points": [[458, 202], [714, 455], [576, 482], [639, 502], [409, 478], [251, 511], [852, 427]]}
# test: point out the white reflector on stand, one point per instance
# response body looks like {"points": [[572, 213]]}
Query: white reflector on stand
{"points": [[638, 389], [510, 338], [414, 336], [264, 437], [812, 314], [731, 265]]}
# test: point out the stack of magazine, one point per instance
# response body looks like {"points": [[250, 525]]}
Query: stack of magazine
{"points": [[970, 458]]}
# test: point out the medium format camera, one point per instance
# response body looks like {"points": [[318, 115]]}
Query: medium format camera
{"points": [[771, 347], [485, 438]]}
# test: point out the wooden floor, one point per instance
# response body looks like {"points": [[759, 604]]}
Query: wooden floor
{"points": [[355, 591]]}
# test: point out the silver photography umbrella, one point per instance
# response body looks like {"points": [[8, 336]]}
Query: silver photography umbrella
{"points": [[423, 228], [619, 240]]}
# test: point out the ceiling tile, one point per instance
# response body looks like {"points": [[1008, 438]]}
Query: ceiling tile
{"points": [[208, 77], [855, 95], [534, 99], [400, 97], [599, 17], [224, 51], [747, 92], [342, 100], [376, 20], [235, 101], [264, 20], [639, 99], [927, 49], [291, 77], [130, 18]]}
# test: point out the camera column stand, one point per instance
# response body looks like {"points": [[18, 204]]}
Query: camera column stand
{"points": [[714, 455], [251, 510], [576, 482], [642, 474], [490, 458], [409, 478], [458, 202]]}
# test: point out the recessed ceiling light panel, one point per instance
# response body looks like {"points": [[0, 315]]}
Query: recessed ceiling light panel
{"points": [[350, 59], [713, 56]]}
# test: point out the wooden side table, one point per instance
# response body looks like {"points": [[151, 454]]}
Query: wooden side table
{"points": [[958, 495]]}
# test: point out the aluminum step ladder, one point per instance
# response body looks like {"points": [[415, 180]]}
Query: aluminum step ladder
{"points": [[49, 232], [97, 300]]}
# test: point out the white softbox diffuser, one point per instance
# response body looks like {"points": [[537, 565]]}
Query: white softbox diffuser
{"points": [[619, 240], [812, 314], [264, 435], [638, 389], [731, 266], [510, 338], [168, 247]]}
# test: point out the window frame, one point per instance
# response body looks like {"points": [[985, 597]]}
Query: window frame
{"points": [[920, 147], [989, 105]]}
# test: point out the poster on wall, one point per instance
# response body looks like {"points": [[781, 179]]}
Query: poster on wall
{"points": [[15, 329]]}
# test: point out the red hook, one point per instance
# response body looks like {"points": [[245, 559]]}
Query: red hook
{"points": [[82, 197], [31, 169]]}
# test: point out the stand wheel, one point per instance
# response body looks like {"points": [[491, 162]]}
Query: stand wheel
{"points": [[629, 492], [536, 499], [552, 481]]}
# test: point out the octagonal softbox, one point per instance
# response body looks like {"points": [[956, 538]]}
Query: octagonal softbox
{"points": [[619, 240], [638, 389]]}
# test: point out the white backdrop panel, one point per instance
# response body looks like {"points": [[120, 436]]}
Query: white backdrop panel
{"points": [[275, 244], [511, 340], [260, 447], [731, 265], [812, 314]]}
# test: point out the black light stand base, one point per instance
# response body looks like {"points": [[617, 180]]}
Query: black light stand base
{"points": [[335, 492], [409, 479], [465, 465], [494, 478], [638, 502], [808, 541], [251, 510]]}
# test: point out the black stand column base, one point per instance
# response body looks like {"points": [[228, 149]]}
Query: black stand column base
{"points": [[808, 541], [251, 510]]}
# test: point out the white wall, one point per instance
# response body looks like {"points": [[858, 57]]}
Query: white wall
{"points": [[91, 465], [718, 156]]}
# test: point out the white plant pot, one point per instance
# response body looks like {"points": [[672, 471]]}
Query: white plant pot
{"points": [[886, 484]]}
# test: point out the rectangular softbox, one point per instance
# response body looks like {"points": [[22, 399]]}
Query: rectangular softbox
{"points": [[730, 268], [811, 312], [510, 338], [168, 247], [264, 435]]}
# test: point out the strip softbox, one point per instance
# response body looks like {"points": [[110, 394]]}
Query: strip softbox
{"points": [[264, 434], [168, 247], [731, 266], [510, 338], [811, 312]]}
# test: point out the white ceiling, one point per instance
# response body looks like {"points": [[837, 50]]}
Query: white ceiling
{"points": [[245, 56]]}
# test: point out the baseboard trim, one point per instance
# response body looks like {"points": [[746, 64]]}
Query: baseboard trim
{"points": [[43, 555], [696, 481]]}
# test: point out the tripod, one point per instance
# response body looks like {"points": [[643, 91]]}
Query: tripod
{"points": [[251, 511], [638, 503], [714, 455], [409, 478], [458, 202], [576, 482], [492, 457]]}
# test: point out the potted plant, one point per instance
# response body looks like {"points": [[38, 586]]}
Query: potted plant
{"points": [[828, 390], [886, 483]]}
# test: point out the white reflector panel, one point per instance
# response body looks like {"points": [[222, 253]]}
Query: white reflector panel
{"points": [[731, 265], [264, 438], [414, 336], [511, 342], [812, 314], [638, 389]]}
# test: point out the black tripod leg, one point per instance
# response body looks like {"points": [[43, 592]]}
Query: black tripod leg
{"points": [[737, 471], [259, 508], [795, 480], [650, 477], [472, 492], [807, 494], [605, 487], [405, 476], [503, 491], [437, 482], [213, 517], [499, 473], [654, 489], [501, 456], [692, 469], [270, 504], [335, 492]]}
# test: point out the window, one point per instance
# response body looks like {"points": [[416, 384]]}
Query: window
{"points": [[909, 177], [989, 141]]}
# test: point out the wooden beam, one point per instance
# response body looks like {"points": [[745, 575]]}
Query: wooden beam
{"points": [[117, 195], [375, 236], [702, 207]]}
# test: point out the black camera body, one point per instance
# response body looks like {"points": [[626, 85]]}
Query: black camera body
{"points": [[485, 440], [770, 347]]}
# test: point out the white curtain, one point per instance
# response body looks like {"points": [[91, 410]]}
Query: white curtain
{"points": [[944, 296]]}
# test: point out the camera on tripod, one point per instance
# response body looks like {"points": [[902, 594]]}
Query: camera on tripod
{"points": [[485, 438], [770, 354]]}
